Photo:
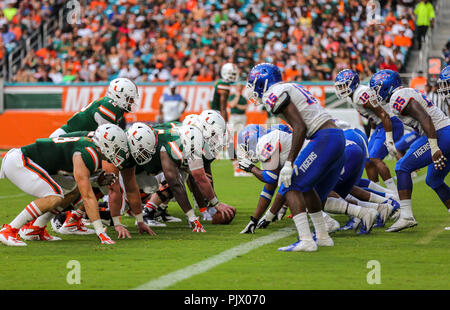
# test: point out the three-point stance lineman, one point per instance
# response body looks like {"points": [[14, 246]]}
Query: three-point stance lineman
{"points": [[318, 164]]}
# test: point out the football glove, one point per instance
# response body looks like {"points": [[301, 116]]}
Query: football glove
{"points": [[390, 145], [195, 225], [105, 239], [245, 164], [282, 212], [250, 228], [286, 174]]}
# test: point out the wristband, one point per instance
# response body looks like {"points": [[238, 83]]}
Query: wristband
{"points": [[98, 226], [433, 146], [116, 220], [191, 215], [214, 202], [139, 217], [389, 137]]}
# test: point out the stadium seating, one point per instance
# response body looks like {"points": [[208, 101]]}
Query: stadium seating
{"points": [[144, 41]]}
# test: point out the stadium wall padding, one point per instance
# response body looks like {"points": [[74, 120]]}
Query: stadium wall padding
{"points": [[35, 110]]}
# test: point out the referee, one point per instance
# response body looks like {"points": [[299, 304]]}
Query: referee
{"points": [[431, 90], [171, 105]]}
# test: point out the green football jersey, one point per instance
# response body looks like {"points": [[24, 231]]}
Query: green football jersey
{"points": [[55, 154], [215, 103], [167, 125], [242, 102], [168, 140], [85, 119]]}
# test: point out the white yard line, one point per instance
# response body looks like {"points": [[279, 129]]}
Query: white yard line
{"points": [[13, 196], [170, 279]]}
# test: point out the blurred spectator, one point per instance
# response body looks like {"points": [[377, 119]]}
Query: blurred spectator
{"points": [[418, 82], [425, 17], [189, 40]]}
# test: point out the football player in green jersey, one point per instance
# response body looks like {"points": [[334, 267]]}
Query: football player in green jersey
{"points": [[34, 169], [208, 126], [229, 75], [120, 98]]}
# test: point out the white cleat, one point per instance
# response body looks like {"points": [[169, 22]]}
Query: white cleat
{"points": [[36, 233], [300, 246], [10, 236], [368, 217], [153, 223], [325, 241], [332, 224], [402, 223]]}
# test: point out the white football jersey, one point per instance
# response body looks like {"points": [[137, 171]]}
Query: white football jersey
{"points": [[402, 97], [313, 114], [360, 98], [273, 149]]}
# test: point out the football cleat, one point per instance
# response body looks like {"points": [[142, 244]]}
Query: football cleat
{"points": [[402, 223], [300, 246], [10, 236], [324, 241], [57, 221], [241, 173], [351, 224], [332, 224], [150, 218], [74, 226], [166, 217], [105, 239], [36, 233]]}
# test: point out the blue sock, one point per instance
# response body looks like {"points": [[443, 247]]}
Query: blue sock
{"points": [[364, 182]]}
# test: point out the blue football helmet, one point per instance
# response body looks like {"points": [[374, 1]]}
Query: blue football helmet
{"points": [[347, 81], [281, 127], [260, 78], [247, 141], [444, 83], [383, 83]]}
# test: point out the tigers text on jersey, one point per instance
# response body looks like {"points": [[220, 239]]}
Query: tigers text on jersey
{"points": [[55, 155], [273, 149], [99, 112], [361, 98], [402, 97], [309, 107]]}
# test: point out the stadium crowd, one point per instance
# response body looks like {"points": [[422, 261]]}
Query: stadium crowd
{"points": [[189, 40]]}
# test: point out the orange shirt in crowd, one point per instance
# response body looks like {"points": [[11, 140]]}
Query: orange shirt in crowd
{"points": [[290, 74], [180, 73], [101, 4], [204, 78], [402, 41], [418, 82]]}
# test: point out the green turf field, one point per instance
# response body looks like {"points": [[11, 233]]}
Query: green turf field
{"points": [[412, 259]]}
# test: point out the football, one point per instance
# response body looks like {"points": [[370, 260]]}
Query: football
{"points": [[220, 218]]}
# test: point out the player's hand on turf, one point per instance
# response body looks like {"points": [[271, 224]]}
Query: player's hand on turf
{"points": [[144, 228], [263, 223], [439, 160], [281, 213], [105, 239], [105, 179], [122, 232], [196, 226], [286, 174], [227, 211], [245, 164], [250, 228]]}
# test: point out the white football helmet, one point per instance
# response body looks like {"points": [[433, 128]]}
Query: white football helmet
{"points": [[190, 119], [192, 141], [124, 92], [112, 141], [229, 72], [214, 129], [142, 140]]}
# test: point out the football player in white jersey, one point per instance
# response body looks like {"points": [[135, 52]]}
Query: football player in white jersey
{"points": [[317, 166], [432, 149], [389, 128]]}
